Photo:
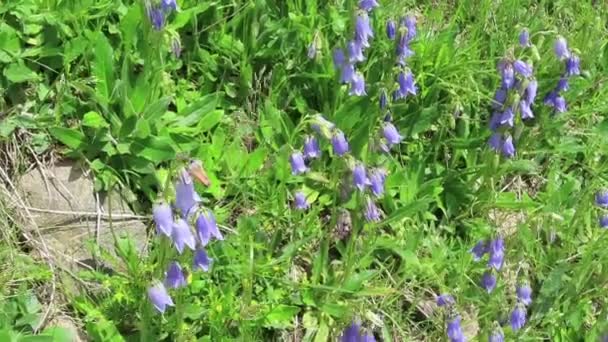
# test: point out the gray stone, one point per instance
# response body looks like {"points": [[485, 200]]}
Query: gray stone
{"points": [[61, 200]]}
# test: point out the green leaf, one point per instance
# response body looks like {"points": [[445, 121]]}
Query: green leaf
{"points": [[103, 69], [75, 48], [19, 73], [36, 338], [198, 110], [59, 334], [210, 119], [68, 136], [282, 315], [10, 44], [154, 111], [156, 149], [322, 333], [94, 120]]}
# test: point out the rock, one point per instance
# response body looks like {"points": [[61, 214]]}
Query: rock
{"points": [[61, 200]]}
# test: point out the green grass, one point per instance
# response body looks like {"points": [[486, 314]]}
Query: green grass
{"points": [[93, 80]]}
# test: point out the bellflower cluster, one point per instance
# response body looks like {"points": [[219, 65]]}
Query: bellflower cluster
{"points": [[572, 62], [355, 333], [495, 250], [405, 84], [179, 231], [157, 12], [601, 200], [454, 328], [516, 95], [355, 48], [497, 335]]}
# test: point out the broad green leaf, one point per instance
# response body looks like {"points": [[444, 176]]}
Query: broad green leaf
{"points": [[155, 149], [198, 110], [10, 44], [36, 338], [68, 136], [322, 333], [210, 119], [154, 111], [19, 73], [282, 315], [75, 48], [94, 120], [103, 69]]}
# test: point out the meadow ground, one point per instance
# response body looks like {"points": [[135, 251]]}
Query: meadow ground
{"points": [[371, 229]]}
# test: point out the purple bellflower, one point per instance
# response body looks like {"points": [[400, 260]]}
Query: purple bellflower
{"points": [[524, 109], [601, 198], [409, 21], [562, 84], [561, 48], [311, 148], [357, 85], [518, 317], [351, 334], [372, 213], [531, 89], [403, 50], [495, 141], [497, 335], [406, 84], [508, 75], [339, 58], [300, 201], [174, 277], [201, 260], [159, 297], [360, 180], [445, 300], [377, 177], [163, 218], [206, 227], [496, 252], [455, 333], [368, 5], [560, 104], [508, 149], [524, 38], [297, 163], [339, 143], [488, 281], [494, 123], [573, 66], [603, 221], [347, 73], [168, 5], [391, 134], [391, 29], [186, 198], [499, 98], [355, 51], [363, 30], [156, 16], [479, 250], [524, 294], [522, 68], [508, 117], [182, 236]]}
